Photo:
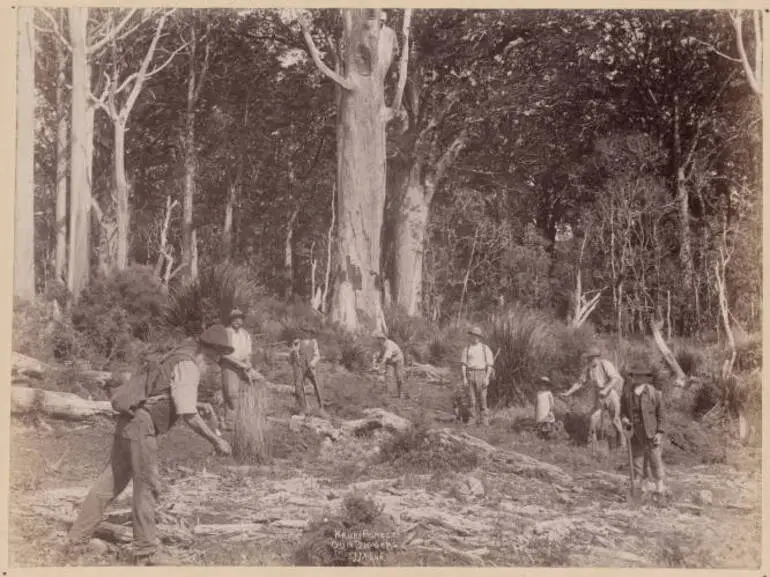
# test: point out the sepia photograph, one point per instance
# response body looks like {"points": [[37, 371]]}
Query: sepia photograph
{"points": [[386, 287]]}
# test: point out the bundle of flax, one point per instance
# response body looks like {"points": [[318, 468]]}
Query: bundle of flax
{"points": [[249, 435]]}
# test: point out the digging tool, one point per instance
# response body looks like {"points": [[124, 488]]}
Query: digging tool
{"points": [[628, 431]]}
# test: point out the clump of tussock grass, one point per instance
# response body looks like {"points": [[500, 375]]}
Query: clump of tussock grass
{"points": [[529, 344], [250, 444], [339, 540], [354, 357], [209, 299], [415, 451]]}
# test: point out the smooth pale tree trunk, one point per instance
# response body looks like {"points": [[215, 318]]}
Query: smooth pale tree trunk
{"points": [[81, 148], [189, 193], [122, 214], [62, 148], [417, 190], [234, 192], [24, 223], [288, 255], [361, 175], [227, 230], [411, 224], [683, 205]]}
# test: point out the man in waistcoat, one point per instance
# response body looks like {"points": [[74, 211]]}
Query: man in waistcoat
{"points": [[173, 394], [304, 357]]}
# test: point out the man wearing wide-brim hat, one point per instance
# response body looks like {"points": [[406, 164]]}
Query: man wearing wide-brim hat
{"points": [[477, 363], [173, 393], [607, 384], [236, 367], [304, 356], [641, 411]]}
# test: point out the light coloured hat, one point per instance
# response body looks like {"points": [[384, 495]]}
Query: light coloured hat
{"points": [[592, 352], [379, 335], [476, 331], [235, 314]]}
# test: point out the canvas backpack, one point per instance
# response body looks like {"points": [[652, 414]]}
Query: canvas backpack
{"points": [[152, 379]]}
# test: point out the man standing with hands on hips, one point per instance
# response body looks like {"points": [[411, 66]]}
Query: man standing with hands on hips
{"points": [[477, 364]]}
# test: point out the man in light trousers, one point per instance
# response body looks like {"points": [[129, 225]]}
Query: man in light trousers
{"points": [[477, 363]]}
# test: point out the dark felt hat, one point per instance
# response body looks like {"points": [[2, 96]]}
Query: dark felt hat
{"points": [[216, 337]]}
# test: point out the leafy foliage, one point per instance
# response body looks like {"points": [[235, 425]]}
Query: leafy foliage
{"points": [[116, 311], [532, 344]]}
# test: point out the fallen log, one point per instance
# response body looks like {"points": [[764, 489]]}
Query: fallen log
{"points": [[23, 365], [508, 460], [56, 404], [24, 368], [376, 419], [220, 529]]}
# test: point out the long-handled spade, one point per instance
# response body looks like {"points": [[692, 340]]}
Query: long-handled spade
{"points": [[633, 492]]}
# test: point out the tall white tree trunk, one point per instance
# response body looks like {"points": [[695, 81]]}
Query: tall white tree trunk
{"points": [[62, 149], [24, 213], [81, 148], [361, 175], [122, 214], [189, 194], [411, 224]]}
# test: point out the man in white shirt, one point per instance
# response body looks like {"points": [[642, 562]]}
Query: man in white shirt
{"points": [[477, 363], [607, 385], [236, 367], [392, 356]]}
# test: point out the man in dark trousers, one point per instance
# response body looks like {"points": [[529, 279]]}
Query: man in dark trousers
{"points": [[641, 410], [173, 394], [304, 357]]}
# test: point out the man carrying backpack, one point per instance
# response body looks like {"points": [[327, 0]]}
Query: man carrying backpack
{"points": [[150, 403], [477, 365]]}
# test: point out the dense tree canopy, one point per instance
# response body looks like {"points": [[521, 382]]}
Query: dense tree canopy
{"points": [[529, 146]]}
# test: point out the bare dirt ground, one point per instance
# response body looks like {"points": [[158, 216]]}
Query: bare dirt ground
{"points": [[215, 512]]}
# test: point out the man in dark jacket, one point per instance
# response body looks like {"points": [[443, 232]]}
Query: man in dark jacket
{"points": [[304, 356], [641, 411], [174, 394]]}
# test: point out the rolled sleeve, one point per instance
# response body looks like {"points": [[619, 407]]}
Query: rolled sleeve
{"points": [[184, 387]]}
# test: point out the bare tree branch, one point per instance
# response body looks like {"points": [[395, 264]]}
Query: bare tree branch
{"points": [[715, 51], [402, 66], [142, 73], [154, 71], [316, 56], [205, 65], [55, 30], [112, 33], [751, 76]]}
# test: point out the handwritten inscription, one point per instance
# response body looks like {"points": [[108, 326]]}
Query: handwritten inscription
{"points": [[364, 547]]}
